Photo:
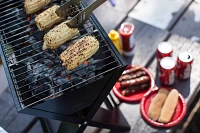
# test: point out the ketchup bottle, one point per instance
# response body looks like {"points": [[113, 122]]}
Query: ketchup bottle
{"points": [[126, 32]]}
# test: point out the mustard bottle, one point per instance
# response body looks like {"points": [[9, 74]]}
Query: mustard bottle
{"points": [[114, 36]]}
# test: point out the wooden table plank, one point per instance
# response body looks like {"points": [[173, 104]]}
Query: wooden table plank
{"points": [[3, 79], [159, 13], [188, 25], [146, 40], [110, 16], [187, 88], [10, 120], [6, 103]]}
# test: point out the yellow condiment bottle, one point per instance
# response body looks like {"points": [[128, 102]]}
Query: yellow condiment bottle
{"points": [[114, 36]]}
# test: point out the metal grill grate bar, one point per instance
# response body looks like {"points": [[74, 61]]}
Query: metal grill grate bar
{"points": [[10, 5], [66, 75], [31, 50], [17, 31], [68, 82], [68, 88], [43, 71]]}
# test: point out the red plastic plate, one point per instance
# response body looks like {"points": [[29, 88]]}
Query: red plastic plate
{"points": [[135, 97], [178, 114]]}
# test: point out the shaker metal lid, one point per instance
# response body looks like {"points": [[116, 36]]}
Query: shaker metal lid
{"points": [[165, 47], [185, 57], [167, 63]]}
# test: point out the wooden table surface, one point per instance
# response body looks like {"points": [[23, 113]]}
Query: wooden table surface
{"points": [[147, 39]]}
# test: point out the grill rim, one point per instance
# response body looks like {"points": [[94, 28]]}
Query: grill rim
{"points": [[102, 32]]}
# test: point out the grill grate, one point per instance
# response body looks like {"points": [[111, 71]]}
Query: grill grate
{"points": [[38, 75]]}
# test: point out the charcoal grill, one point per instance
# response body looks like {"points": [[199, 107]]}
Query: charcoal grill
{"points": [[40, 85]]}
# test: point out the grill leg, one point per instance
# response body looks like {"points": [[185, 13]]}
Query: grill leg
{"points": [[45, 125], [113, 120], [82, 128], [26, 130]]}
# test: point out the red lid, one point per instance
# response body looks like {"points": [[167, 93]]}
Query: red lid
{"points": [[126, 28]]}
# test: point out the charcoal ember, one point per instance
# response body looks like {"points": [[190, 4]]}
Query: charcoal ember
{"points": [[38, 35], [31, 78], [39, 68], [26, 51], [59, 69], [91, 77], [31, 60], [43, 91], [37, 46], [36, 57], [79, 82], [51, 73], [56, 62], [64, 73], [22, 13], [48, 62], [42, 79], [61, 49], [81, 69], [62, 83], [92, 64], [100, 75], [50, 56], [29, 68], [51, 51], [14, 29]]}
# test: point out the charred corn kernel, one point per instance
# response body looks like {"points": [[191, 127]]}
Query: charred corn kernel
{"points": [[79, 52], [47, 18], [58, 36], [32, 6]]}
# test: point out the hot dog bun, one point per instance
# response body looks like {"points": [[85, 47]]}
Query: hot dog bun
{"points": [[157, 104], [169, 107]]}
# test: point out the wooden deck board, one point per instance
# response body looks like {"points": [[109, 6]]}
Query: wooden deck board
{"points": [[110, 16], [159, 13], [6, 103], [188, 25], [146, 40]]}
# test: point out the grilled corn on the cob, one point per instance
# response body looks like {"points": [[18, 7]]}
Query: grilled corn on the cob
{"points": [[32, 6], [58, 36], [79, 52], [47, 18]]}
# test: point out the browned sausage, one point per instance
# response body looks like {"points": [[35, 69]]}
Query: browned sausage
{"points": [[132, 75], [135, 82], [130, 90], [131, 70]]}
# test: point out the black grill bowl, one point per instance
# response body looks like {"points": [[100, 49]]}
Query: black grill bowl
{"points": [[67, 103]]}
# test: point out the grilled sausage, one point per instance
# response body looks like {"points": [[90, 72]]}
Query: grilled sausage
{"points": [[131, 70], [58, 36], [130, 90], [32, 6], [135, 82], [132, 75], [79, 52], [47, 18]]}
